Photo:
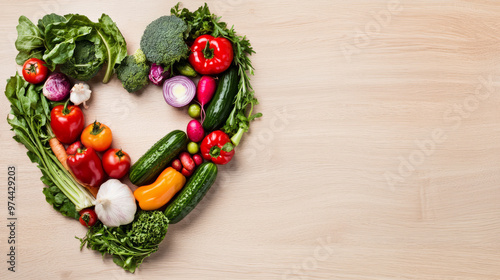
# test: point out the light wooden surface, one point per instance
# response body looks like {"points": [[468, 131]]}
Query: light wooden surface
{"points": [[363, 167]]}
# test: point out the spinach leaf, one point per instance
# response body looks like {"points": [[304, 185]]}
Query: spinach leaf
{"points": [[29, 42], [49, 19]]}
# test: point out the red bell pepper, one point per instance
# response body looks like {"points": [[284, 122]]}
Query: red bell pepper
{"points": [[217, 147], [67, 122], [86, 166], [211, 56]]}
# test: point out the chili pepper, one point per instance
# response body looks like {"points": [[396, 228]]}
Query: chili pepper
{"points": [[211, 56], [87, 168], [154, 196], [217, 147]]}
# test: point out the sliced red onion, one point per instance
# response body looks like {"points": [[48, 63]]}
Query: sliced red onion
{"points": [[179, 91]]}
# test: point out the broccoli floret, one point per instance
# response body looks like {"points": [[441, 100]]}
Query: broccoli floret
{"points": [[163, 41], [133, 71], [84, 64], [149, 228]]}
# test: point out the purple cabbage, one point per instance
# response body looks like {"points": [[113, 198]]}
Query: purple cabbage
{"points": [[157, 74], [57, 87]]}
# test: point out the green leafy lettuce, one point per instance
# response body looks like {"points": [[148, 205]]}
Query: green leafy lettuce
{"points": [[65, 40]]}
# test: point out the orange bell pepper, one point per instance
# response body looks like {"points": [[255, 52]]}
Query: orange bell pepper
{"points": [[154, 196]]}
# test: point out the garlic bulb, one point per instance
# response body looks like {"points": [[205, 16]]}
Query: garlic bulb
{"points": [[80, 93], [115, 204]]}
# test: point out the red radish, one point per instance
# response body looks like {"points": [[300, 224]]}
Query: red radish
{"points": [[195, 131], [204, 92], [187, 161], [176, 164], [186, 172], [197, 159]]}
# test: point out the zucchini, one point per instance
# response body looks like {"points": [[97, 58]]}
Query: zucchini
{"points": [[223, 101], [192, 193], [154, 161]]}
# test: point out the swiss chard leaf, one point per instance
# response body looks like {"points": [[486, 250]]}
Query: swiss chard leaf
{"points": [[114, 43]]}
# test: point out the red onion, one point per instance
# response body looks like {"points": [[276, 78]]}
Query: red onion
{"points": [[179, 91], [57, 87], [157, 74]]}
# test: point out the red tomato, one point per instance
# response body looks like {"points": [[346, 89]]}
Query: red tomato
{"points": [[98, 136], [116, 163], [35, 71], [88, 217], [67, 123]]}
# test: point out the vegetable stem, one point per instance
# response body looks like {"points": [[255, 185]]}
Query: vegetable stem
{"points": [[237, 137]]}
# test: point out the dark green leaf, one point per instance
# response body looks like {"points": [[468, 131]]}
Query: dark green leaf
{"points": [[49, 19], [115, 44], [29, 36]]}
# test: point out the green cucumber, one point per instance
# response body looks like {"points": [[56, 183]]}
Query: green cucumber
{"points": [[155, 160], [192, 193], [223, 100]]}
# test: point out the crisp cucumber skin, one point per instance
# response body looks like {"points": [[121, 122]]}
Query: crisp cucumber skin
{"points": [[155, 160], [192, 193], [222, 102]]}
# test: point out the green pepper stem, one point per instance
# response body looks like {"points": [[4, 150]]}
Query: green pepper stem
{"points": [[215, 151], [208, 52], [237, 137], [65, 110]]}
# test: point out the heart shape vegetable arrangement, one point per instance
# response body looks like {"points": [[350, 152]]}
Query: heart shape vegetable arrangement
{"points": [[174, 50]]}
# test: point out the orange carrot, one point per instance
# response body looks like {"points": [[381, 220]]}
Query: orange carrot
{"points": [[59, 151], [62, 156]]}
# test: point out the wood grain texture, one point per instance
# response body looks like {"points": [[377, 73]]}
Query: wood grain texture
{"points": [[377, 156]]}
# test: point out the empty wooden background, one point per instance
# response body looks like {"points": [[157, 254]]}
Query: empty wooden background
{"points": [[378, 156]]}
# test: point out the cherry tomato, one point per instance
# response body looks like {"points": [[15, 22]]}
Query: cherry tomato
{"points": [[97, 136], [116, 163], [67, 122], [35, 71], [88, 217]]}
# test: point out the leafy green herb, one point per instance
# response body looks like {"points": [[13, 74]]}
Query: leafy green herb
{"points": [[31, 123], [59, 201], [129, 244], [55, 40], [201, 22]]}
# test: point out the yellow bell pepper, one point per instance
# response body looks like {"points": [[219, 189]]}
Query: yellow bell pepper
{"points": [[154, 196]]}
